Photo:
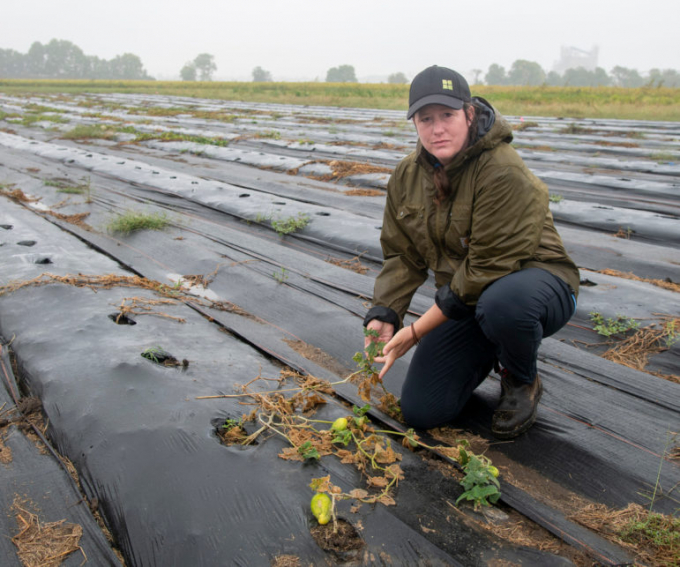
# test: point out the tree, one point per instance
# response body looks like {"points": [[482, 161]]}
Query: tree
{"points": [[666, 78], [261, 76], [188, 72], [475, 76], [341, 74], [12, 63], [35, 61], [624, 77], [127, 66], [526, 73], [205, 65], [397, 79], [99, 68], [577, 77], [495, 75], [600, 78], [554, 79], [63, 59]]}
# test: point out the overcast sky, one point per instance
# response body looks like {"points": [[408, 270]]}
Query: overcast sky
{"points": [[302, 39]]}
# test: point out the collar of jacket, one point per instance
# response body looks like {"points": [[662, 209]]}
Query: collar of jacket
{"points": [[492, 129]]}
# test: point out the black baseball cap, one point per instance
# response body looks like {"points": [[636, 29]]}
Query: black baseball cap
{"points": [[437, 85]]}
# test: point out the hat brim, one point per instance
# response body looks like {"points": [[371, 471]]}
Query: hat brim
{"points": [[445, 100]]}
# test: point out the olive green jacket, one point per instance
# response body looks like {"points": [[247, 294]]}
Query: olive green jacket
{"points": [[495, 222]]}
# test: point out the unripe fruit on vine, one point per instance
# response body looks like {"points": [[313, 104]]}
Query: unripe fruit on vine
{"points": [[321, 508]]}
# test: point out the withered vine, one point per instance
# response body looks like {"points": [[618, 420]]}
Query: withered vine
{"points": [[356, 441]]}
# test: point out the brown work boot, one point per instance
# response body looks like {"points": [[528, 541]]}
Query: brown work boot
{"points": [[516, 411]]}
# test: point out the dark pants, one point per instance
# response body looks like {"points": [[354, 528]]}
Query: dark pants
{"points": [[512, 316]]}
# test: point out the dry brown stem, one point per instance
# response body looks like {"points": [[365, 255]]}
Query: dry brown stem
{"points": [[353, 264], [611, 524], [44, 544], [634, 351], [630, 276]]}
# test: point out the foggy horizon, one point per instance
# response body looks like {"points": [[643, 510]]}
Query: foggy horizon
{"points": [[299, 41]]}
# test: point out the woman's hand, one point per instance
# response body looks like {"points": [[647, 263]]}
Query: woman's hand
{"points": [[385, 332], [398, 346]]}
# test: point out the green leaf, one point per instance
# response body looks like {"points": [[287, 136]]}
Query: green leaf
{"points": [[361, 411], [344, 437], [308, 451]]}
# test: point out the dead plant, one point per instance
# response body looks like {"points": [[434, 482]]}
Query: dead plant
{"points": [[635, 350], [288, 413], [665, 284], [653, 538], [77, 219], [17, 195], [44, 544], [137, 306], [353, 264], [365, 192]]}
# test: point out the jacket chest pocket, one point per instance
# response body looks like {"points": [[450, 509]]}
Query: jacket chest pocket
{"points": [[411, 218], [457, 237]]}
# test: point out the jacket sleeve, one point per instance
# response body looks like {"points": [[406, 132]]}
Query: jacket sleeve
{"points": [[506, 225], [403, 269]]}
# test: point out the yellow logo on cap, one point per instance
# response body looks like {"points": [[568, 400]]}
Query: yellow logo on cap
{"points": [[447, 84]]}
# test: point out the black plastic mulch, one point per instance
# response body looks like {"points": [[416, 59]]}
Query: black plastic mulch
{"points": [[146, 448]]}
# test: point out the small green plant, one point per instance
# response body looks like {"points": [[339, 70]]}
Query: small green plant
{"points": [[273, 134], [30, 119], [169, 136], [91, 131], [480, 482], [671, 332], [62, 186], [230, 424], [290, 224], [574, 129], [663, 157], [133, 221], [71, 190], [370, 377], [624, 233], [281, 276], [524, 125], [308, 451], [611, 326], [365, 358], [555, 198], [154, 354], [656, 529]]}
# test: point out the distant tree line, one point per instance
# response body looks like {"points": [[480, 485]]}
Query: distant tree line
{"points": [[61, 59], [530, 73]]}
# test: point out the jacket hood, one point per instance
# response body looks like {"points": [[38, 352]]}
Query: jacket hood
{"points": [[492, 128]]}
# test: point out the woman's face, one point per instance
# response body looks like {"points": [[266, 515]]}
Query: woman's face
{"points": [[442, 130]]}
